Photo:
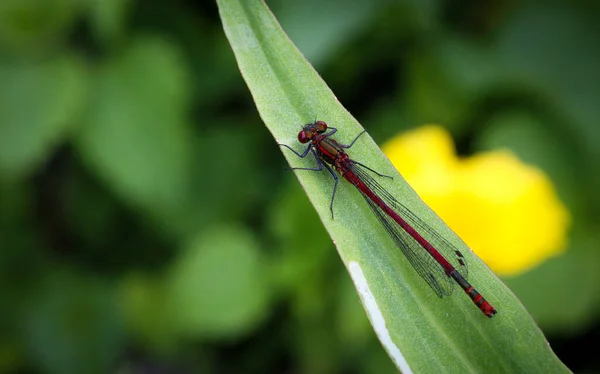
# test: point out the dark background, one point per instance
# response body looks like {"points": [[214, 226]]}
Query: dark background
{"points": [[148, 224]]}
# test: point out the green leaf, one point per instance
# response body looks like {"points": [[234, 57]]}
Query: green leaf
{"points": [[224, 256], [556, 307], [108, 17], [73, 325], [421, 332], [39, 103], [143, 302], [137, 137], [329, 31], [296, 264], [26, 25], [446, 81], [550, 47]]}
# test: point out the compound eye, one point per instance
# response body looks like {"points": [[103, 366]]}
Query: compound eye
{"points": [[302, 137], [321, 126]]}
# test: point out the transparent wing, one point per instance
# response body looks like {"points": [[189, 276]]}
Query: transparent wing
{"points": [[425, 265]]}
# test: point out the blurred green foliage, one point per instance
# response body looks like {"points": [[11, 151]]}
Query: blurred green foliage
{"points": [[146, 217]]}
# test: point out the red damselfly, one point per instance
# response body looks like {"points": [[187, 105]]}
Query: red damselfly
{"points": [[435, 259]]}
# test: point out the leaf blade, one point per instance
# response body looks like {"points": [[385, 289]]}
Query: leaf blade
{"points": [[432, 334]]}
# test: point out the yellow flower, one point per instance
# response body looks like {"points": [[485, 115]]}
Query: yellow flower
{"points": [[506, 211]]}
